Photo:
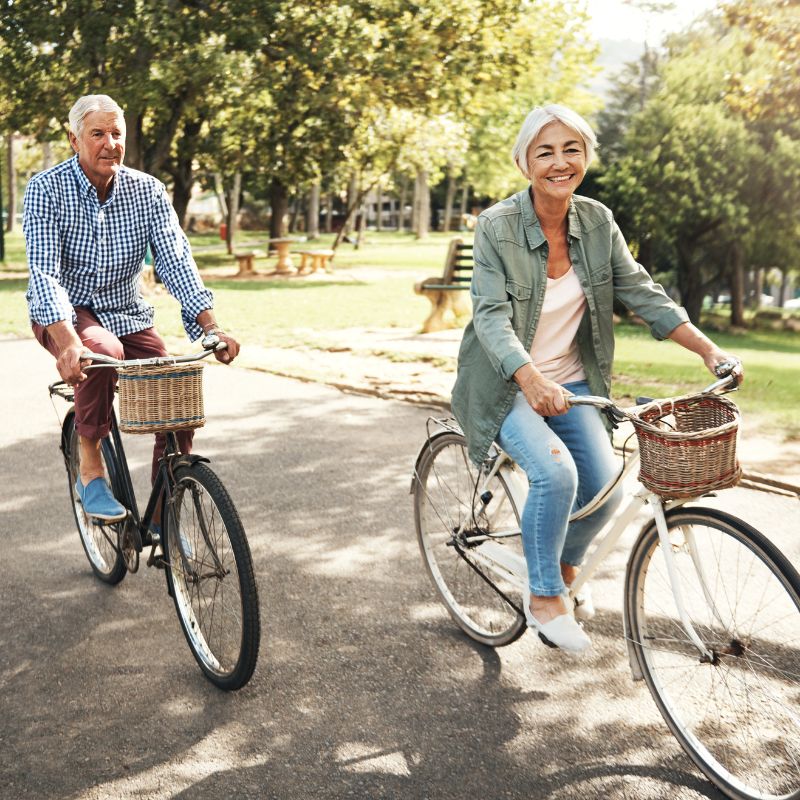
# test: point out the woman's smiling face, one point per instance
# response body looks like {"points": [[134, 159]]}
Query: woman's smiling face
{"points": [[556, 162]]}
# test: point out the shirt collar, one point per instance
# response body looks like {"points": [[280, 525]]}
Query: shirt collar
{"points": [[533, 230], [80, 176], [85, 187]]}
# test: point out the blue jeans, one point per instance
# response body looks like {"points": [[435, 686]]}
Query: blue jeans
{"points": [[567, 460]]}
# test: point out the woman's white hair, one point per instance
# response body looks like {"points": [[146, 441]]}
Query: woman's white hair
{"points": [[544, 115], [88, 104]]}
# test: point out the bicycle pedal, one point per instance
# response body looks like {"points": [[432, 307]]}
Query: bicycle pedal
{"points": [[156, 557]]}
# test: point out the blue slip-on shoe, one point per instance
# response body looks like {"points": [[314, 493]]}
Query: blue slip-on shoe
{"points": [[97, 500]]}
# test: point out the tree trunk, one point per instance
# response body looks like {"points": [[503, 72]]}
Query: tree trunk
{"points": [[422, 204], [362, 225], [295, 213], [757, 288], [12, 182], [352, 204], [689, 283], [449, 200], [736, 285], [329, 215], [279, 201], [134, 145], [784, 287], [462, 212], [415, 205], [219, 191], [379, 206], [183, 173], [401, 207], [233, 210], [312, 211]]}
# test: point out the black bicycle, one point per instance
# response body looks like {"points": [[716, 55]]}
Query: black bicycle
{"points": [[200, 542]]}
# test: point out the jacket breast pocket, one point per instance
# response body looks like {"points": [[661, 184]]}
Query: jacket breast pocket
{"points": [[603, 286], [520, 296], [518, 291]]}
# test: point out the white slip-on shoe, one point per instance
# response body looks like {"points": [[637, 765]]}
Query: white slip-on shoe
{"points": [[582, 603], [562, 631]]}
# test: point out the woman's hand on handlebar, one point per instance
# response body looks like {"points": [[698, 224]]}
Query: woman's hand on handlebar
{"points": [[545, 397], [721, 364]]}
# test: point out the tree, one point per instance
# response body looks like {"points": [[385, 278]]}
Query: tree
{"points": [[698, 180]]}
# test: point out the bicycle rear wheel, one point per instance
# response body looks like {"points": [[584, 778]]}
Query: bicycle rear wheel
{"points": [[736, 715], [448, 514], [211, 577], [100, 542]]}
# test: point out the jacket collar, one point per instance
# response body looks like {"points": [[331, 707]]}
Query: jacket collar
{"points": [[533, 230]]}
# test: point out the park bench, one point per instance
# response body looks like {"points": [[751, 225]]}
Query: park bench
{"points": [[445, 290], [314, 260], [244, 260]]}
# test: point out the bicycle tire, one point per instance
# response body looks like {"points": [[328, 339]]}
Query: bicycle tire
{"points": [[211, 577], [736, 716], [101, 548], [444, 496]]}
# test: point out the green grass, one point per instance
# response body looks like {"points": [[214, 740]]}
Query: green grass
{"points": [[769, 395], [372, 288]]}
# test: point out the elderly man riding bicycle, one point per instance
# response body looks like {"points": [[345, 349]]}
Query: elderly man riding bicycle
{"points": [[88, 223]]}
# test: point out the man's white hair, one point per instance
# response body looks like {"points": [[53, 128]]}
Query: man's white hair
{"points": [[88, 104], [544, 115]]}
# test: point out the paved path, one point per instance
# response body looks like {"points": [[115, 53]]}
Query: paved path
{"points": [[364, 688]]}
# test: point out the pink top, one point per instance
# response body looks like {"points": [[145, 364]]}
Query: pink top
{"points": [[554, 350]]}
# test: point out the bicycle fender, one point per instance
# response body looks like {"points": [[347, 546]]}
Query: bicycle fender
{"points": [[66, 428], [188, 459], [428, 443]]}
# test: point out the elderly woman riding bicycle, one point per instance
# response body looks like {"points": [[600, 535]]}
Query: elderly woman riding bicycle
{"points": [[548, 266]]}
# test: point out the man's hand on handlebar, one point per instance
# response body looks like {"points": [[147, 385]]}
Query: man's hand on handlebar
{"points": [[70, 364], [225, 347]]}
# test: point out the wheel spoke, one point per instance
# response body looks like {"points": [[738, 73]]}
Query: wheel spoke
{"points": [[737, 717], [447, 511], [215, 597]]}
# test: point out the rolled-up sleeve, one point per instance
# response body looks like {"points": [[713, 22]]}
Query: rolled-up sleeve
{"points": [[174, 263], [48, 301], [491, 306], [637, 290]]}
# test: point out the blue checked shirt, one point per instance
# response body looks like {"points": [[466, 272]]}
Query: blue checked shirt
{"points": [[82, 253]]}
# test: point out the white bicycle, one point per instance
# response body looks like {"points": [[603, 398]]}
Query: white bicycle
{"points": [[711, 606]]}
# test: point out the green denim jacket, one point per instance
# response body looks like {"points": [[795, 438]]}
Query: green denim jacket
{"points": [[508, 286]]}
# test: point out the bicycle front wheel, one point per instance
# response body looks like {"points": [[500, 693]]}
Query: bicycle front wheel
{"points": [[211, 577], [100, 542], [453, 526], [736, 714]]}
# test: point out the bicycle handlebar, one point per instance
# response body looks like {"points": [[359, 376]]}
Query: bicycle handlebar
{"points": [[728, 381], [211, 344]]}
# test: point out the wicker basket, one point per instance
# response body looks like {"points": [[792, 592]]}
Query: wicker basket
{"points": [[687, 445], [166, 398]]}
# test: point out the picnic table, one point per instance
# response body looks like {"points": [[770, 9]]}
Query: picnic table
{"points": [[278, 246], [284, 263]]}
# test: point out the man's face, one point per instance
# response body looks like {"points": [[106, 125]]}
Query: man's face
{"points": [[100, 147]]}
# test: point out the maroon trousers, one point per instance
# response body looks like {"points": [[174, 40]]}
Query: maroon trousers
{"points": [[94, 397]]}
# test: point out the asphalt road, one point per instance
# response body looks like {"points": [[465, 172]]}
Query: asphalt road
{"points": [[364, 688]]}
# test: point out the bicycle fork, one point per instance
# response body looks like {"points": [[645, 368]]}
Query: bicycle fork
{"points": [[677, 592]]}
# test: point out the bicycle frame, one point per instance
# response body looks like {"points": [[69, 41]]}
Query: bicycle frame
{"points": [[513, 567]]}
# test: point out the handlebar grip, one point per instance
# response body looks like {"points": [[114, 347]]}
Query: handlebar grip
{"points": [[726, 368]]}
